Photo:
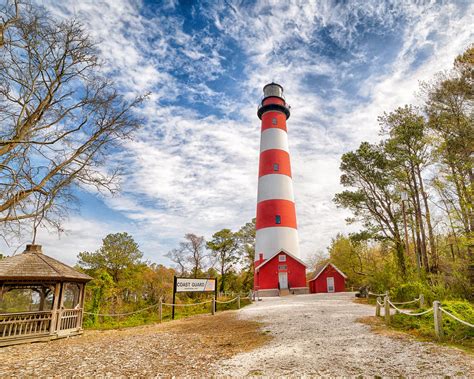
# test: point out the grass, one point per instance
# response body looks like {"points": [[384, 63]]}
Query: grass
{"points": [[152, 316], [422, 327]]}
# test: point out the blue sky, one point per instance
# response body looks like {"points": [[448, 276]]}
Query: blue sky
{"points": [[193, 165]]}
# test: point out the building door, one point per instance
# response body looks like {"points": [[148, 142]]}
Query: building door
{"points": [[283, 280], [330, 283]]}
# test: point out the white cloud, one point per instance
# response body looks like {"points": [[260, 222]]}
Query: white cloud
{"points": [[192, 171]]}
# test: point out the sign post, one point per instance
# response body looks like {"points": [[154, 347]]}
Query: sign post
{"points": [[174, 297], [192, 285]]}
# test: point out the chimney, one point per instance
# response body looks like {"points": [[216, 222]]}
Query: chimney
{"points": [[33, 249]]}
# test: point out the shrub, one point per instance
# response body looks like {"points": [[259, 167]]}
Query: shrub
{"points": [[454, 331]]}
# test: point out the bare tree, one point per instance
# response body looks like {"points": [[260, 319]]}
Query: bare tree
{"points": [[60, 118], [190, 255], [194, 246], [179, 259]]}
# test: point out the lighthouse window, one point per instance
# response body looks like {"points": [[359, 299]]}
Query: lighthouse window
{"points": [[274, 121], [277, 219], [282, 258], [276, 166]]}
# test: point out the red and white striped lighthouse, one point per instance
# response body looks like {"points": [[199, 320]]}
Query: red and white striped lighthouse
{"points": [[278, 265]]}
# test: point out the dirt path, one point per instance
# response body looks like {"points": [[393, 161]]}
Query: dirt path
{"points": [[294, 335], [180, 348], [319, 335]]}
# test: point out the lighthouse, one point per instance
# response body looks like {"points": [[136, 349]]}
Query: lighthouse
{"points": [[279, 269]]}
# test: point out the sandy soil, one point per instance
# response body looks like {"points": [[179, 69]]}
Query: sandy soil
{"points": [[185, 347], [319, 335]]}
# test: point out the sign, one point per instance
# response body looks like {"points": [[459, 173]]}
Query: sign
{"points": [[195, 285]]}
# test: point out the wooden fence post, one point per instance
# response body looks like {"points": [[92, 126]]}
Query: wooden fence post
{"points": [[377, 307], [160, 309], [422, 300], [438, 320], [213, 303], [386, 306], [238, 302]]}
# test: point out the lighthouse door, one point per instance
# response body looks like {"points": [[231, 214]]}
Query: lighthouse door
{"points": [[283, 280]]}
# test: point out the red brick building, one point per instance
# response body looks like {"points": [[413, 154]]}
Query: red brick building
{"points": [[328, 278]]}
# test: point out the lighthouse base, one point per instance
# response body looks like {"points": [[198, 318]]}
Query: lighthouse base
{"points": [[281, 272], [276, 292], [267, 293]]}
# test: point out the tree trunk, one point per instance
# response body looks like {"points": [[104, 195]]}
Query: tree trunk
{"points": [[400, 252], [431, 236], [419, 219]]}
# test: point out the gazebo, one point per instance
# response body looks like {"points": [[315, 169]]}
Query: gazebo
{"points": [[41, 299]]}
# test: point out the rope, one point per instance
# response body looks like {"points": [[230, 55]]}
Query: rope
{"points": [[379, 303], [187, 305], [408, 302], [121, 314], [457, 319], [376, 294], [408, 313], [225, 302], [155, 305]]}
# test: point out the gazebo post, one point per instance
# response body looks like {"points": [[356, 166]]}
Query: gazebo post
{"points": [[81, 305], [60, 308], [54, 316]]}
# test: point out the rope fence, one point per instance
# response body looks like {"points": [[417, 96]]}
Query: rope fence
{"points": [[456, 318], [375, 294], [436, 309], [122, 314], [160, 305], [407, 302], [187, 305], [408, 313], [226, 302]]}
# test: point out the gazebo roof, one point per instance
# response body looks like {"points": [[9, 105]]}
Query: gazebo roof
{"points": [[32, 264]]}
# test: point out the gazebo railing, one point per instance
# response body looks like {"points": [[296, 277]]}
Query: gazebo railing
{"points": [[32, 324], [70, 319], [24, 324]]}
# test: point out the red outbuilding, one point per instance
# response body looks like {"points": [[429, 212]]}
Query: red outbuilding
{"points": [[328, 278], [282, 271]]}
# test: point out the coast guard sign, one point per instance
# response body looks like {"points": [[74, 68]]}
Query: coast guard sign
{"points": [[195, 285]]}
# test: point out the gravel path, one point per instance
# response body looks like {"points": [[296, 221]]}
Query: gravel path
{"points": [[319, 335]]}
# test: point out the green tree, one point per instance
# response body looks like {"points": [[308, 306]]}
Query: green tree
{"points": [[408, 148], [224, 248], [374, 200], [449, 107], [118, 256], [246, 244], [100, 289]]}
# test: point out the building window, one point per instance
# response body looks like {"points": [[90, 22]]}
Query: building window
{"points": [[277, 219], [276, 166], [282, 258], [274, 121], [282, 267]]}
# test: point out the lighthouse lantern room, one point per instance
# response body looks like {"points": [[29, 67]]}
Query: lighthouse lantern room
{"points": [[278, 267]]}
